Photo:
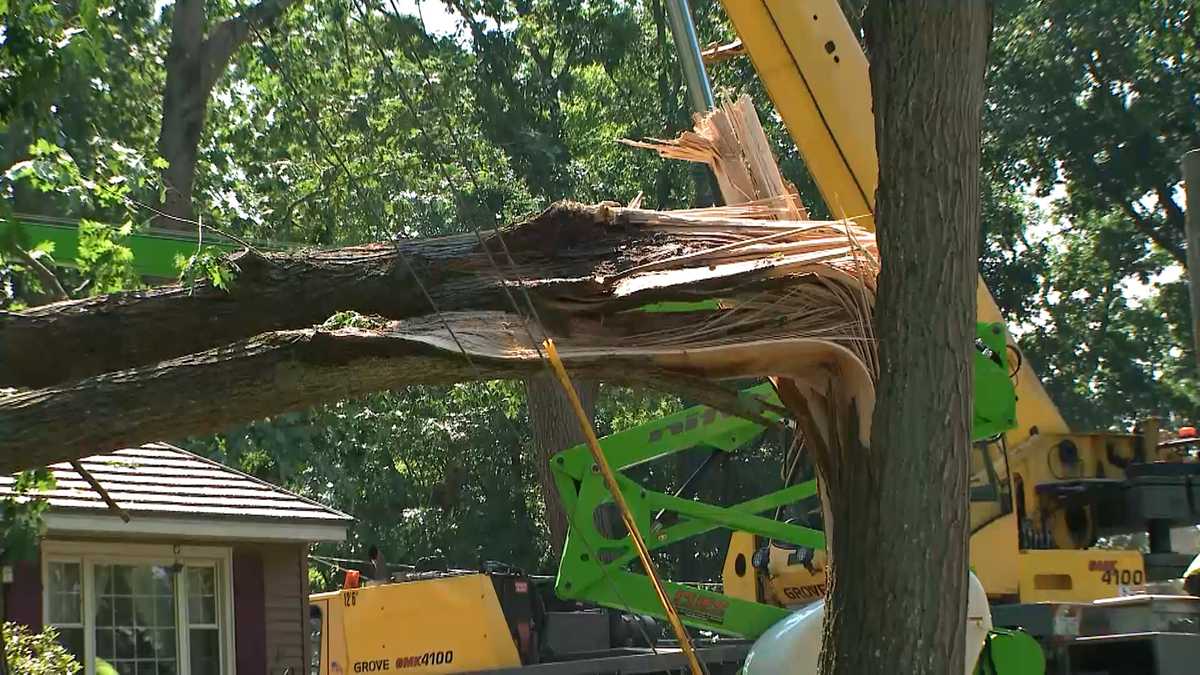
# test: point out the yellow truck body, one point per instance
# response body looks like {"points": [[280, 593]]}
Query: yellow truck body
{"points": [[439, 625]]}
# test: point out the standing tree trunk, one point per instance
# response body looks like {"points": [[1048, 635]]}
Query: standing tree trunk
{"points": [[555, 428], [899, 591], [194, 64]]}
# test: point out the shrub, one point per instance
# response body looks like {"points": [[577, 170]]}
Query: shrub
{"points": [[37, 653]]}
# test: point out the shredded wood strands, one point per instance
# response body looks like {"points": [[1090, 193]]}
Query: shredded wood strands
{"points": [[731, 141], [790, 299]]}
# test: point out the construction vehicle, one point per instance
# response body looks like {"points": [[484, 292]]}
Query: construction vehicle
{"points": [[497, 618], [1041, 497]]}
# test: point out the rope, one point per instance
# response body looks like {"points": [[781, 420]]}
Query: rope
{"points": [[610, 479], [356, 186]]}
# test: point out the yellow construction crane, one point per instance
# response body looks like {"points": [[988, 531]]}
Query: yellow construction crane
{"points": [[1041, 494], [1044, 494]]}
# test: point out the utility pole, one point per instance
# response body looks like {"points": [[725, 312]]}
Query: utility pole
{"points": [[1191, 181]]}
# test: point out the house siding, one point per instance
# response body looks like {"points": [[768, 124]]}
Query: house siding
{"points": [[284, 608]]}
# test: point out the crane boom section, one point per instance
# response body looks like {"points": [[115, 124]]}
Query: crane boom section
{"points": [[817, 76]]}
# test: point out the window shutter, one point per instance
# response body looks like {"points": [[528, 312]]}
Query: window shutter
{"points": [[249, 613], [23, 597]]}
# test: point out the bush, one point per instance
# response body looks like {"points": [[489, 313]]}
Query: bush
{"points": [[37, 654]]}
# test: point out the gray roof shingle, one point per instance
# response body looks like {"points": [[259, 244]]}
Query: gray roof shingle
{"points": [[164, 480]]}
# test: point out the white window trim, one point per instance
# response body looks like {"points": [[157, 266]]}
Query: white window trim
{"points": [[89, 554]]}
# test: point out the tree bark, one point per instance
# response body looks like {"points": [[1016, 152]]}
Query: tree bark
{"points": [[899, 590], [291, 370], [562, 252], [556, 428], [194, 65], [781, 285]]}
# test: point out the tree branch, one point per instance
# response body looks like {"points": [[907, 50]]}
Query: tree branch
{"points": [[278, 291], [571, 259], [107, 498], [224, 40], [53, 289], [1175, 216], [292, 370], [1143, 225]]}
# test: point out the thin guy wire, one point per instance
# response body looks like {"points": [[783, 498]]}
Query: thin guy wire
{"points": [[356, 186], [405, 98], [441, 168]]}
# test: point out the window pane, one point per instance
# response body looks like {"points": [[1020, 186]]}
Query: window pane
{"points": [[105, 607], [124, 614], [205, 648], [135, 618], [124, 643], [202, 610], [105, 648], [64, 577], [65, 593], [202, 599], [72, 639], [204, 638], [104, 581], [202, 580]]}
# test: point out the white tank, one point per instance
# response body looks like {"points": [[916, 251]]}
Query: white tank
{"points": [[793, 646]]}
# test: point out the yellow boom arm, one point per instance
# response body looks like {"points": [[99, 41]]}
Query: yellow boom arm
{"points": [[810, 62]]}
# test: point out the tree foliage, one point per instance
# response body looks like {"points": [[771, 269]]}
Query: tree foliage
{"points": [[36, 653], [1090, 108], [345, 122]]}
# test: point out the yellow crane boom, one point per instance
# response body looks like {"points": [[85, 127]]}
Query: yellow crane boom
{"points": [[816, 74]]}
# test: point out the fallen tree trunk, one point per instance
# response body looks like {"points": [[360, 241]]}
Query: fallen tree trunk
{"points": [[791, 297], [563, 255], [290, 370]]}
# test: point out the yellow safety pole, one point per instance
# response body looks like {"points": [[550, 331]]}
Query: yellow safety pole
{"points": [[610, 480]]}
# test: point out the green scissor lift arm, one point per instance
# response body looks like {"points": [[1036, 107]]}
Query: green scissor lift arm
{"points": [[154, 251], [582, 574], [596, 568]]}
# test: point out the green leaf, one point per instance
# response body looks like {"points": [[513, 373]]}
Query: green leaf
{"points": [[89, 16]]}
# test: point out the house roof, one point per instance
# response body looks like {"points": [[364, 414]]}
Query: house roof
{"points": [[158, 482]]}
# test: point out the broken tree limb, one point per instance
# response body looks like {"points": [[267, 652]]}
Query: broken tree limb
{"points": [[731, 141], [577, 262], [615, 288], [104, 496], [790, 298], [291, 370]]}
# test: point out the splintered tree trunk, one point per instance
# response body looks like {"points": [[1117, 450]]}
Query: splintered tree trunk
{"points": [[899, 592], [555, 428]]}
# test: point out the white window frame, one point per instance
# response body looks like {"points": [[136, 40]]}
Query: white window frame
{"points": [[90, 554]]}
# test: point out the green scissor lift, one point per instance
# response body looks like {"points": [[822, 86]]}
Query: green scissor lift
{"points": [[596, 568], [154, 251]]}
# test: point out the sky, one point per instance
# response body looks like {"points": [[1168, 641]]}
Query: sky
{"points": [[439, 20]]}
